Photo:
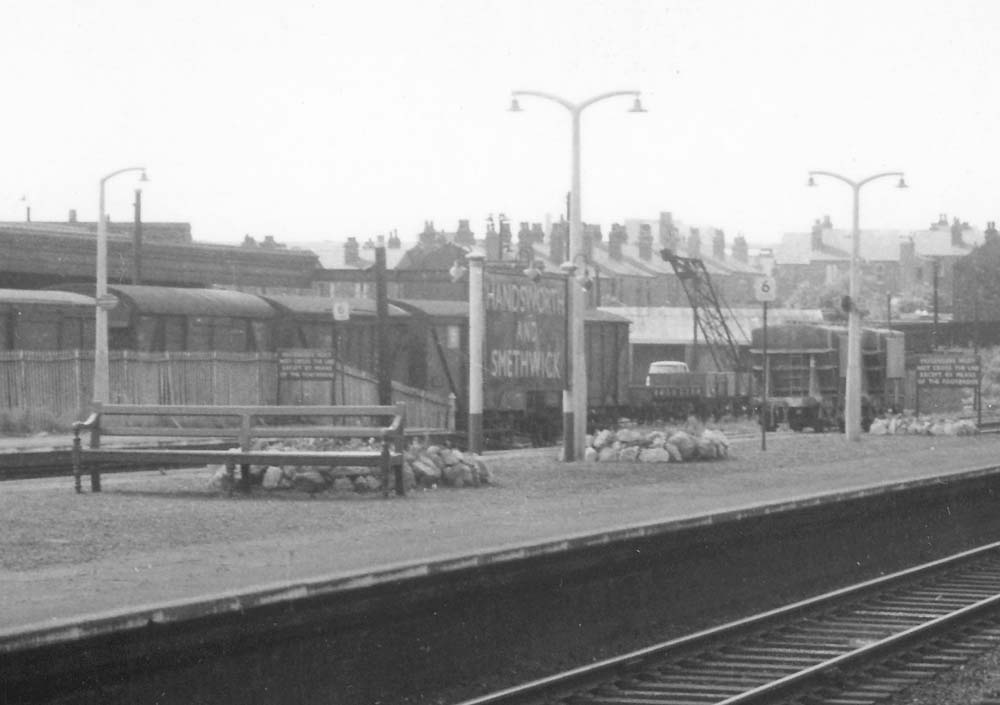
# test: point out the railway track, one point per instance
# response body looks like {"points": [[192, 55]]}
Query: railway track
{"points": [[854, 646]]}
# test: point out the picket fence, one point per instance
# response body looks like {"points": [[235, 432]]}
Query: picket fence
{"points": [[60, 383]]}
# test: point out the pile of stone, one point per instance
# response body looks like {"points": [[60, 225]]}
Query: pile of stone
{"points": [[901, 424], [424, 466], [659, 446]]}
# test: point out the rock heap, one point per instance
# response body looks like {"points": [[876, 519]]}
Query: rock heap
{"points": [[424, 466], [659, 446], [901, 424]]}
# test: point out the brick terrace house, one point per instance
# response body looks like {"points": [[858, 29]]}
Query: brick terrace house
{"points": [[899, 261]]}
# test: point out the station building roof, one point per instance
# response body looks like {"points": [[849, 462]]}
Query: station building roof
{"points": [[323, 305], [186, 302], [45, 296], [674, 325]]}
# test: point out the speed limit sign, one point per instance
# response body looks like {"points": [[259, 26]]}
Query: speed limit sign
{"points": [[764, 289]]}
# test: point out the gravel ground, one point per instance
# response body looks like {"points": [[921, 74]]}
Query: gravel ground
{"points": [[149, 536], [975, 682]]}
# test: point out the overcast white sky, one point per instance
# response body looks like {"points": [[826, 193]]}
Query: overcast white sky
{"points": [[320, 120]]}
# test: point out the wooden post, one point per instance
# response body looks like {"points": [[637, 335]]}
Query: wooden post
{"points": [[382, 329], [764, 411]]}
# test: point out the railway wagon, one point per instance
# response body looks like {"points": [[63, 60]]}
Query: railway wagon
{"points": [[806, 371], [45, 320], [678, 395], [438, 351]]}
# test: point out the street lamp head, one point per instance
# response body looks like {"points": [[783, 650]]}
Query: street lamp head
{"points": [[143, 180], [637, 106], [515, 106], [457, 271], [811, 182], [902, 183]]}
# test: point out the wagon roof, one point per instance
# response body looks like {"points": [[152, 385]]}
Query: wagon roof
{"points": [[45, 296], [203, 302], [323, 305], [460, 309]]}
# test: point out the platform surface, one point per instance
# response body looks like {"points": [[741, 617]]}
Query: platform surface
{"points": [[96, 554]]}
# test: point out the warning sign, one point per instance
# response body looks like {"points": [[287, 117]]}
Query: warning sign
{"points": [[948, 371], [305, 364]]}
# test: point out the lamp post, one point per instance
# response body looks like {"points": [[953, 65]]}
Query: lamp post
{"points": [[852, 391], [575, 396], [105, 303]]}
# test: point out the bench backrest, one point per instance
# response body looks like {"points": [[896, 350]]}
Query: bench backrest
{"points": [[246, 423]]}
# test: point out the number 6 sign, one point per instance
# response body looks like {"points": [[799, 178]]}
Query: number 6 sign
{"points": [[764, 289]]}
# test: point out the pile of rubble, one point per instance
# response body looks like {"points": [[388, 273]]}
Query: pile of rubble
{"points": [[659, 446], [922, 426], [424, 466]]}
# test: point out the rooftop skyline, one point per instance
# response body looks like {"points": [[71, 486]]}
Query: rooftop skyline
{"points": [[311, 121]]}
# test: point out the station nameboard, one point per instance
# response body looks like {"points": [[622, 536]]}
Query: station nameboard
{"points": [[525, 333], [306, 364], [948, 370]]}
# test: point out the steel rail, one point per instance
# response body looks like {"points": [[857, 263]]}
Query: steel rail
{"points": [[785, 665]]}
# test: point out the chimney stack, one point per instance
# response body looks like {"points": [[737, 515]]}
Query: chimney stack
{"points": [[464, 235], [694, 243], [645, 243], [719, 244], [352, 252], [668, 231], [616, 239], [557, 242], [741, 252], [816, 236], [72, 215]]}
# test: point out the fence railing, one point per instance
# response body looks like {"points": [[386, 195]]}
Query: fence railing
{"points": [[60, 383]]}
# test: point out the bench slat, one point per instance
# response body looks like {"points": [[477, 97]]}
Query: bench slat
{"points": [[206, 457], [232, 410]]}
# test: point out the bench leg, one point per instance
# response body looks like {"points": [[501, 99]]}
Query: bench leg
{"points": [[95, 479], [386, 467], [245, 477], [76, 465], [231, 472], [400, 488]]}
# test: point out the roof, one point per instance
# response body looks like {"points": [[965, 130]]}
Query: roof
{"points": [[460, 309], [204, 302], [881, 245], [45, 296], [674, 325], [434, 307], [323, 305]]}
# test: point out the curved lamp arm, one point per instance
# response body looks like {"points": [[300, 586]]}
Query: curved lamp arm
{"points": [[122, 171], [575, 108]]}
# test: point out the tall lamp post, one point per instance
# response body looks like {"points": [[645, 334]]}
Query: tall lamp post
{"points": [[102, 391], [852, 391], [575, 396]]}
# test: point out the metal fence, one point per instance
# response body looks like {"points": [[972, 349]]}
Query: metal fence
{"points": [[60, 383]]}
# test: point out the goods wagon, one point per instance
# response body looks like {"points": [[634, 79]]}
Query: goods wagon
{"points": [[806, 370], [45, 320]]}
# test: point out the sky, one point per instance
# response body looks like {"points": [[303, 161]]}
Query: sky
{"points": [[314, 121]]}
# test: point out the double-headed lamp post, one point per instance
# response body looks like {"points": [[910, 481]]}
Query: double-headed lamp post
{"points": [[852, 385], [575, 396], [102, 387]]}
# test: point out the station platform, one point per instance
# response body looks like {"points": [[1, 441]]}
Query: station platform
{"points": [[163, 543]]}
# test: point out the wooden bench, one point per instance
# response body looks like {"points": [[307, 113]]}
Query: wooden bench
{"points": [[242, 425]]}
